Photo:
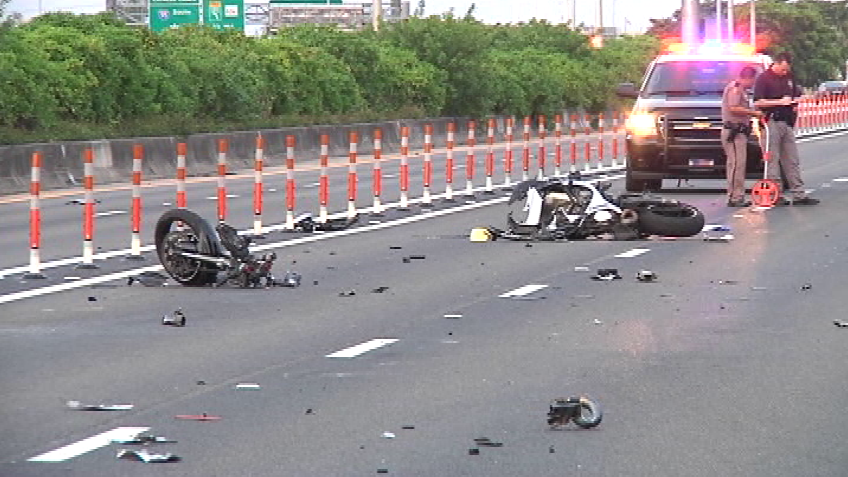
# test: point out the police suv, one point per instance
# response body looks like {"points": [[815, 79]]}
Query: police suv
{"points": [[674, 130]]}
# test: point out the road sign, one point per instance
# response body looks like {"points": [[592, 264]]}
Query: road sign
{"points": [[257, 14], [221, 14], [312, 2], [166, 14]]}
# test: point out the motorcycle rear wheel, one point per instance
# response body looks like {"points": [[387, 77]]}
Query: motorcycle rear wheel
{"points": [[671, 220], [195, 236]]}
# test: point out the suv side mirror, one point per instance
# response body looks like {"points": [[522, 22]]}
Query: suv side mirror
{"points": [[627, 90]]}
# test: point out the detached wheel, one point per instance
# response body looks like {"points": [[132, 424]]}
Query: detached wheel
{"points": [[671, 220], [590, 414], [194, 236], [640, 185]]}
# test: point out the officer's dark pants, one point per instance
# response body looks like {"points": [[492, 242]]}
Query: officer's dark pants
{"points": [[737, 161]]}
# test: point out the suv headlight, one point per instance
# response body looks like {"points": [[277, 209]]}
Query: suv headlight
{"points": [[642, 124]]}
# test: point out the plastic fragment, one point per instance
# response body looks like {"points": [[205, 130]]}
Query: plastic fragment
{"points": [[144, 456], [348, 293], [840, 323], [581, 269], [195, 417], [310, 412], [77, 405], [417, 257], [290, 280], [143, 439], [148, 279], [758, 288], [473, 451], [388, 435], [646, 276], [382, 471], [607, 274], [395, 247], [178, 319], [807, 286], [380, 290], [407, 427], [598, 322]]}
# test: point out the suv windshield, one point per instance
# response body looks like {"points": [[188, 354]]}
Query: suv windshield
{"points": [[694, 77]]}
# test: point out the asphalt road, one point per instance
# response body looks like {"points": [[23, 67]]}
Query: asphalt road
{"points": [[728, 365]]}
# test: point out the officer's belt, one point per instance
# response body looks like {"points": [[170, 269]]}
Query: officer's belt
{"points": [[736, 129]]}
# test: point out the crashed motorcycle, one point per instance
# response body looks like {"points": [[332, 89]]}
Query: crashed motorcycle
{"points": [[573, 209]]}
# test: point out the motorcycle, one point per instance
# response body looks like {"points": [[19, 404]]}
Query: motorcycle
{"points": [[573, 209]]}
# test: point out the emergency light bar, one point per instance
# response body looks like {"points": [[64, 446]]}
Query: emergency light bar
{"points": [[711, 48]]}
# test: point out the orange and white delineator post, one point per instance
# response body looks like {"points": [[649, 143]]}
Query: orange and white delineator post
{"points": [[351, 175], [223, 147], [35, 220], [324, 182], [291, 187], [181, 175], [426, 200], [490, 157], [558, 145], [541, 159], [615, 130], [449, 163], [587, 131], [525, 159], [572, 153], [508, 153], [470, 159], [88, 212], [601, 141], [377, 181], [258, 167], [135, 241], [404, 168]]}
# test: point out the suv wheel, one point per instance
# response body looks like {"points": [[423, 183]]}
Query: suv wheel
{"points": [[641, 185]]}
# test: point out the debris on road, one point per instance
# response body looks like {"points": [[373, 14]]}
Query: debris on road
{"points": [[582, 410], [305, 223], [195, 417], [388, 435], [348, 293], [254, 386], [395, 247], [597, 322], [92, 298], [759, 288], [551, 450], [607, 274], [840, 323], [78, 406], [728, 282], [143, 439], [646, 276], [406, 260], [473, 451], [80, 202], [453, 317], [807, 286], [201, 383], [290, 280], [380, 290], [146, 457], [407, 427], [581, 269], [148, 279], [310, 412], [417, 257], [382, 471], [178, 319]]}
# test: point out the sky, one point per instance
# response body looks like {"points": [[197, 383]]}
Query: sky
{"points": [[637, 12]]}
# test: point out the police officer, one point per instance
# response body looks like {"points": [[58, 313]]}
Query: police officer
{"points": [[775, 93], [736, 113]]}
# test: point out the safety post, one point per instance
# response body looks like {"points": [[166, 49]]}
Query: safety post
{"points": [[615, 129], [181, 175], [404, 168], [558, 145], [223, 146], [541, 159], [35, 220], [324, 183], [426, 200], [291, 190], [469, 159], [258, 166], [351, 175], [377, 181], [623, 133], [525, 159], [449, 163], [135, 244], [600, 141], [573, 147], [490, 157], [508, 153], [88, 212], [587, 130]]}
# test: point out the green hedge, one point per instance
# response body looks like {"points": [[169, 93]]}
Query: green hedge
{"points": [[70, 76]]}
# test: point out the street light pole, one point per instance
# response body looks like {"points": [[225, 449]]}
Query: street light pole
{"points": [[754, 23], [731, 31], [719, 29]]}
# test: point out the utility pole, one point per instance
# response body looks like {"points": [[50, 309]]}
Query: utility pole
{"points": [[719, 29], [376, 11], [599, 29], [753, 23], [731, 30], [689, 30]]}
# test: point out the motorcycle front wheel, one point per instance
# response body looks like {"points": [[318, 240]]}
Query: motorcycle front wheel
{"points": [[181, 230], [671, 220]]}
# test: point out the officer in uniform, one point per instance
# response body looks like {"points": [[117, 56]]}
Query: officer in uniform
{"points": [[736, 113], [775, 93]]}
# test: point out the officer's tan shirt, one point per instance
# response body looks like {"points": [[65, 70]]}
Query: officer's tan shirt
{"points": [[734, 95]]}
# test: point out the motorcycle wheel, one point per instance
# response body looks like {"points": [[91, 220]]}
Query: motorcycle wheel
{"points": [[590, 414], [195, 236], [671, 220]]}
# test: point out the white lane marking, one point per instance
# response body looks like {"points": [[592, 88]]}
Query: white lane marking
{"points": [[633, 253], [841, 179], [270, 246], [229, 196], [389, 176], [314, 184], [362, 348], [522, 291], [110, 212], [87, 445]]}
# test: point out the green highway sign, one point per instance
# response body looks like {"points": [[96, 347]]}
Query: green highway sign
{"points": [[165, 14], [312, 2], [221, 14]]}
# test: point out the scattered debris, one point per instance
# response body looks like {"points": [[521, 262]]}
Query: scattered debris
{"points": [[201, 417], [406, 260], [382, 471], [728, 282], [146, 457], [388, 435], [607, 274], [582, 410], [255, 386], [551, 450], [290, 280], [76, 405], [178, 319], [380, 290], [148, 279], [310, 412], [807, 286], [395, 247], [306, 223], [417, 257], [92, 298], [473, 451], [348, 293], [314, 282], [528, 245], [201, 383], [581, 269], [759, 288], [453, 317], [840, 323], [407, 427], [719, 238], [646, 276], [80, 202], [598, 322], [144, 439]]}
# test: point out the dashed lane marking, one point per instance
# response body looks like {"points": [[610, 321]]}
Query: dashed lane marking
{"points": [[523, 291], [110, 212], [362, 348], [89, 444], [633, 253]]}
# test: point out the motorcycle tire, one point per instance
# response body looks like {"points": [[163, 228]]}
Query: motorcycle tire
{"points": [[590, 414], [191, 272], [671, 220]]}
